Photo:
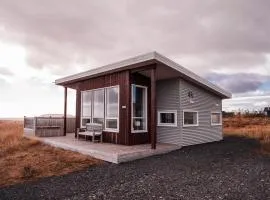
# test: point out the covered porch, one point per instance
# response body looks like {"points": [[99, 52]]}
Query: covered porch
{"points": [[114, 153], [123, 101]]}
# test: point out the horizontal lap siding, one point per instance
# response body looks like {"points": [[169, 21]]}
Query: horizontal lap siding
{"points": [[204, 103], [168, 99]]}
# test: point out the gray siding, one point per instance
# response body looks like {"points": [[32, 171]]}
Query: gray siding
{"points": [[205, 103], [168, 98]]}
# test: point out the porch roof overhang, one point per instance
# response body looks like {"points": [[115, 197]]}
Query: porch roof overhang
{"points": [[166, 68]]}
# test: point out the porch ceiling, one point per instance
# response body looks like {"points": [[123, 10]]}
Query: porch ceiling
{"points": [[162, 72]]}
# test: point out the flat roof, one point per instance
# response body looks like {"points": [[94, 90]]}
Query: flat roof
{"points": [[152, 56]]}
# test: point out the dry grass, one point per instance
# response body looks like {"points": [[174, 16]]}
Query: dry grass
{"points": [[23, 159], [251, 127]]}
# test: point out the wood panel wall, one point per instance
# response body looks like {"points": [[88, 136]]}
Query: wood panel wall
{"points": [[124, 79], [120, 78]]}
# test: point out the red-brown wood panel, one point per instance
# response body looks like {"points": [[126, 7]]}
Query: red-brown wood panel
{"points": [[124, 79], [119, 78]]}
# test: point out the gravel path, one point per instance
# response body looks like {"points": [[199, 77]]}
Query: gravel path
{"points": [[230, 169]]}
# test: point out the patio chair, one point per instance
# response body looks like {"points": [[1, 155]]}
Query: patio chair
{"points": [[94, 130]]}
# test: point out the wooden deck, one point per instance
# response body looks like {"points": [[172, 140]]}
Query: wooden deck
{"points": [[114, 153]]}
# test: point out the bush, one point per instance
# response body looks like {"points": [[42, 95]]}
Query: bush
{"points": [[28, 172]]}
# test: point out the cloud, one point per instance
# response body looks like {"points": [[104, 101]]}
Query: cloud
{"points": [[6, 72], [240, 82], [3, 82], [246, 103], [226, 33], [225, 41]]}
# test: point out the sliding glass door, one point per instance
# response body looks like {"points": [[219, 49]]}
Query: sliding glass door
{"points": [[139, 109]]}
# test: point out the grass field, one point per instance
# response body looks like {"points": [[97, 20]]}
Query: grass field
{"points": [[251, 127], [23, 159]]}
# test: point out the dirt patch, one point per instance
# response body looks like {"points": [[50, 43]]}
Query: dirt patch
{"points": [[23, 159]]}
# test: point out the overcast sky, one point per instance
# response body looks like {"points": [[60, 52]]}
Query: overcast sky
{"points": [[226, 42]]}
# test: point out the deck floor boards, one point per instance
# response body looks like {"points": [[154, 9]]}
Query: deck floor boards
{"points": [[114, 153]]}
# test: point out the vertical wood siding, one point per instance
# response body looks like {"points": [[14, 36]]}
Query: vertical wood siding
{"points": [[205, 103], [124, 79], [119, 78], [168, 99]]}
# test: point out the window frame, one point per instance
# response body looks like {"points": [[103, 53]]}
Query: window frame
{"points": [[91, 117], [216, 124], [167, 124], [105, 110], [190, 125], [146, 109]]}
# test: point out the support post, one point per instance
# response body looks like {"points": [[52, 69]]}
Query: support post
{"points": [[65, 112], [153, 116], [78, 112]]}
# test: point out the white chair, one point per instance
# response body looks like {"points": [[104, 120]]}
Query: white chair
{"points": [[92, 129]]}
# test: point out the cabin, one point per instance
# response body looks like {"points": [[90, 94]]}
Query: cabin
{"points": [[147, 99]]}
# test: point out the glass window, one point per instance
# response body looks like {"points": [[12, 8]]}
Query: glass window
{"points": [[98, 106], [139, 108], [85, 121], [86, 107], [94, 106], [86, 104], [216, 118], [112, 107], [190, 118], [167, 118], [111, 123]]}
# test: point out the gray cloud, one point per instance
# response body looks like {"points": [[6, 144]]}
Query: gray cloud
{"points": [[204, 36], [227, 33], [3, 82], [239, 83], [6, 72], [246, 103]]}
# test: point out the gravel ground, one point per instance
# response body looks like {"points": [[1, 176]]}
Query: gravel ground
{"points": [[230, 169]]}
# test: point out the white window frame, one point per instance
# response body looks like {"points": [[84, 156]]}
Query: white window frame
{"points": [[81, 113], [105, 104], [216, 124], [190, 125], [167, 124], [105, 111], [146, 110]]}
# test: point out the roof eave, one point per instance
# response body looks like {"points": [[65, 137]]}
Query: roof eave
{"points": [[152, 56]]}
